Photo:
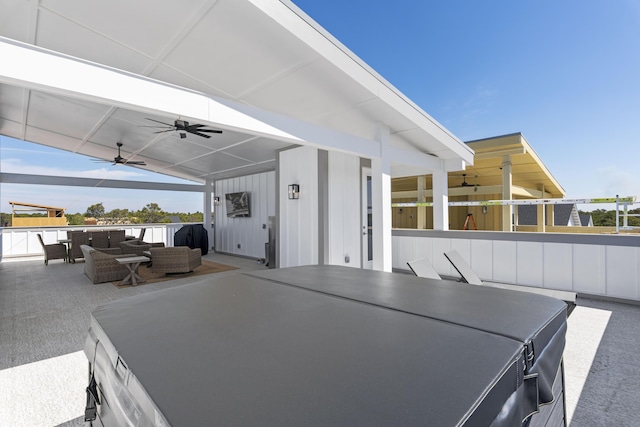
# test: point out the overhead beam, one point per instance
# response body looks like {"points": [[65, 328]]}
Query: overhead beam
{"points": [[18, 178], [480, 189], [500, 153]]}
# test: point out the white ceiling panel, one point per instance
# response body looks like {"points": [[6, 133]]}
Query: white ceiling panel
{"points": [[233, 48], [145, 26], [314, 89], [64, 116], [58, 34], [167, 74], [11, 104], [257, 151], [15, 18]]}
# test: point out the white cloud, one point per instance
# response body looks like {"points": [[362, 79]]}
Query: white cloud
{"points": [[612, 180], [13, 165]]}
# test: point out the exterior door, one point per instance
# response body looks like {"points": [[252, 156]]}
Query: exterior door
{"points": [[367, 220]]}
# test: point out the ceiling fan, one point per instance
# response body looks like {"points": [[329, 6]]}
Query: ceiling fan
{"points": [[464, 181], [119, 160], [466, 184], [184, 127]]}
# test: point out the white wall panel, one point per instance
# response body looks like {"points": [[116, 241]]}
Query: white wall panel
{"points": [[395, 251], [482, 258], [250, 234], [422, 249], [504, 261], [439, 262], [403, 252], [529, 265], [19, 243], [589, 269], [622, 271], [596, 269], [345, 218], [463, 247], [558, 266], [298, 221]]}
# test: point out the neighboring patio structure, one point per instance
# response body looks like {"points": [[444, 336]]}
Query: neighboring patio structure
{"points": [[505, 168], [50, 215]]}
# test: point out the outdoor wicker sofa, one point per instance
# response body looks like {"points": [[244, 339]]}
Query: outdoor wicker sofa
{"points": [[101, 265], [179, 259], [138, 247]]}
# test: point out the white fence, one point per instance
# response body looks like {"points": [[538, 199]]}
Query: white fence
{"points": [[599, 265], [23, 241]]}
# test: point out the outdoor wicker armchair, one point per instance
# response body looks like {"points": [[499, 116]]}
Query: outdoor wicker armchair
{"points": [[53, 251]]}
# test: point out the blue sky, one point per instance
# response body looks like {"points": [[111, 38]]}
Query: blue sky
{"points": [[564, 74]]}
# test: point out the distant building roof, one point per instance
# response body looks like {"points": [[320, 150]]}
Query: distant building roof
{"points": [[586, 220], [37, 207], [528, 215]]}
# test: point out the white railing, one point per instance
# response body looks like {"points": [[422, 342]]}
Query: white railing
{"points": [[23, 241], [588, 264]]}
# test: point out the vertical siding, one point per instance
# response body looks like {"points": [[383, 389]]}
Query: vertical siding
{"points": [[298, 219], [344, 210], [250, 233]]}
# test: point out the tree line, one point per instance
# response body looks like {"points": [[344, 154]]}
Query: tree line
{"points": [[150, 213], [604, 218]]}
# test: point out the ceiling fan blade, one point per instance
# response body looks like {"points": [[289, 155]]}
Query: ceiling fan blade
{"points": [[199, 128], [199, 134], [158, 121], [163, 131], [135, 163]]}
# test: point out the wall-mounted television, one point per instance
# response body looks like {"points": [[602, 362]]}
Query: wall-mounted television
{"points": [[237, 205]]}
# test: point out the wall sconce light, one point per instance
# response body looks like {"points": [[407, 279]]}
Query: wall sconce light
{"points": [[216, 201], [294, 191]]}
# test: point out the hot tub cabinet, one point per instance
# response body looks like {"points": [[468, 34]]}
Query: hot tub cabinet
{"points": [[326, 345]]}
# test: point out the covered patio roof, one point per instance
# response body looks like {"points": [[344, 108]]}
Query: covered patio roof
{"points": [[530, 177], [81, 77]]}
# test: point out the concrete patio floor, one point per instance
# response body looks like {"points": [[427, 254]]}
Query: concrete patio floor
{"points": [[44, 313]]}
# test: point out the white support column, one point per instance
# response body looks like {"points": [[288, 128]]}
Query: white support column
{"points": [[422, 210], [507, 194], [540, 214], [550, 215], [440, 200], [381, 201], [207, 211]]}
